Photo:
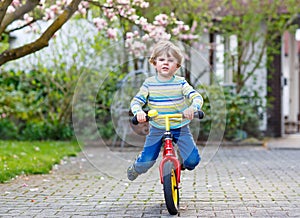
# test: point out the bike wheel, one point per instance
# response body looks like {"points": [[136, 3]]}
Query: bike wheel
{"points": [[171, 190]]}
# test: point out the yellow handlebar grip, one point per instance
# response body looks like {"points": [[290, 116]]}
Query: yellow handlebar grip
{"points": [[152, 113]]}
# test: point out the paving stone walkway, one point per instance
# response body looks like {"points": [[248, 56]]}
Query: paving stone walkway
{"points": [[236, 181]]}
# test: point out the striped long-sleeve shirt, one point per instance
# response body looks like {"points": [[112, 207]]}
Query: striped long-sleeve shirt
{"points": [[168, 97]]}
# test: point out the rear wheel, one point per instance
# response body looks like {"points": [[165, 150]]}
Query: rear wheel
{"points": [[171, 190]]}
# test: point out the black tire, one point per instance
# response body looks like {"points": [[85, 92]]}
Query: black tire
{"points": [[171, 190]]}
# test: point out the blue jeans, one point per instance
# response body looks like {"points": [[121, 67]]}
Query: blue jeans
{"points": [[181, 136]]}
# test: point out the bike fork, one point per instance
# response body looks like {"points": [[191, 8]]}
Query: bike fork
{"points": [[177, 168], [169, 155]]}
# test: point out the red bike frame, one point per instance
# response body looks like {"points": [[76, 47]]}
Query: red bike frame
{"points": [[169, 155], [169, 151]]}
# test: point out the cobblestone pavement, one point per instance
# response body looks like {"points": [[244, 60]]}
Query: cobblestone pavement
{"points": [[239, 181]]}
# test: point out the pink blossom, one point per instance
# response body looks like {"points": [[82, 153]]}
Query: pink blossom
{"points": [[144, 5], [100, 23], [148, 27], [112, 33], [140, 3], [55, 9], [85, 4], [59, 3], [146, 38], [27, 18], [122, 12], [159, 33], [136, 47], [3, 115], [179, 22], [49, 14], [10, 9], [128, 43], [161, 20], [188, 37], [16, 3], [126, 10], [176, 31], [158, 29], [109, 3], [185, 28], [123, 2], [130, 11], [110, 13], [129, 35], [81, 9], [143, 22], [134, 18], [66, 2]]}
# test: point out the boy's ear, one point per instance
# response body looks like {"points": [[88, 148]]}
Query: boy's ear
{"points": [[152, 61]]}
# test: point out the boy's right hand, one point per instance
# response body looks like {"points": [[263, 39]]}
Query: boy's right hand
{"points": [[141, 116]]}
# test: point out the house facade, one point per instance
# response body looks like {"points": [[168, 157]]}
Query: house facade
{"points": [[290, 81], [280, 82]]}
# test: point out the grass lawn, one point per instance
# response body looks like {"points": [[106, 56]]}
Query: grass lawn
{"points": [[38, 157]]}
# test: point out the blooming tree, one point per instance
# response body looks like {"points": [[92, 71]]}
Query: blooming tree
{"points": [[107, 16], [30, 11]]}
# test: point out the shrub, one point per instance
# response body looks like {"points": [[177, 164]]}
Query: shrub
{"points": [[242, 113], [8, 129], [46, 131], [34, 130]]}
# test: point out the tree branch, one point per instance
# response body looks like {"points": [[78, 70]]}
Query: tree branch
{"points": [[3, 8], [257, 64], [20, 27], [43, 41], [11, 17]]}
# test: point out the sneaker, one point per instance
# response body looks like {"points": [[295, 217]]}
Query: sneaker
{"points": [[131, 173]]}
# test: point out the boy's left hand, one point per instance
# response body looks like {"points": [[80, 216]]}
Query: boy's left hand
{"points": [[189, 113]]}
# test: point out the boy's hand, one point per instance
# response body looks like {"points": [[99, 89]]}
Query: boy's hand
{"points": [[141, 116], [189, 113]]}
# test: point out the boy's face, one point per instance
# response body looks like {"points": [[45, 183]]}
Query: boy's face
{"points": [[166, 66]]}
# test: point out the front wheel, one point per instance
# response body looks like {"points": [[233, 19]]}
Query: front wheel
{"points": [[171, 190]]}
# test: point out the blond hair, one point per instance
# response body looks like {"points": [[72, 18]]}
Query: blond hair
{"points": [[166, 47]]}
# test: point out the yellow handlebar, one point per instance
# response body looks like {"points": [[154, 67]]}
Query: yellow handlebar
{"points": [[154, 113]]}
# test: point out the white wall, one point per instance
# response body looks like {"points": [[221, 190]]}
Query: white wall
{"points": [[286, 62], [74, 35], [200, 66], [290, 69], [258, 81], [224, 72]]}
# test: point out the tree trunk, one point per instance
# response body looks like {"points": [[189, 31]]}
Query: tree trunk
{"points": [[212, 39], [274, 93]]}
